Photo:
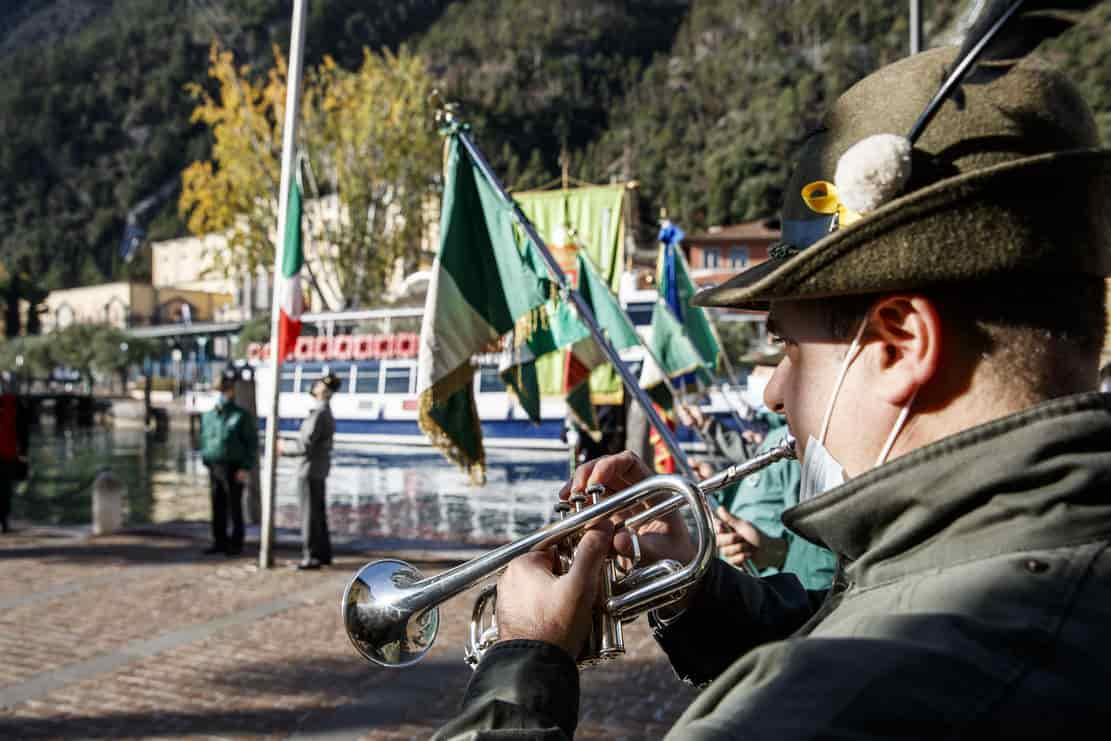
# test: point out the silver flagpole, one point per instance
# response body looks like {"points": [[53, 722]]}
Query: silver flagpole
{"points": [[289, 157], [587, 315]]}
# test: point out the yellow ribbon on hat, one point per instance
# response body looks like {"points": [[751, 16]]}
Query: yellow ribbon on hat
{"points": [[821, 196]]}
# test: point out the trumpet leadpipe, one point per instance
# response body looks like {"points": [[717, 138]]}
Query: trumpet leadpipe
{"points": [[784, 451]]}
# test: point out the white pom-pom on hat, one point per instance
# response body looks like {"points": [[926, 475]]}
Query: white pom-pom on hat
{"points": [[872, 171]]}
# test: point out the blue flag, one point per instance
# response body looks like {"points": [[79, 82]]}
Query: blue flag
{"points": [[670, 237]]}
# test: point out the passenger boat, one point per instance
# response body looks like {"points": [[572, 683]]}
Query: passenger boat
{"points": [[377, 402]]}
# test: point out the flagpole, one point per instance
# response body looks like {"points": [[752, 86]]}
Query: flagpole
{"points": [[289, 157], [584, 311]]}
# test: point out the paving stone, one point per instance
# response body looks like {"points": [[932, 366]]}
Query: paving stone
{"points": [[142, 636]]}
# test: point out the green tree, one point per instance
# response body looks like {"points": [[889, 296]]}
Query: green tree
{"points": [[368, 138]]}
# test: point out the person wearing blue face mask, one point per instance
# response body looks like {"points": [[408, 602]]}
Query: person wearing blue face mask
{"points": [[229, 448]]}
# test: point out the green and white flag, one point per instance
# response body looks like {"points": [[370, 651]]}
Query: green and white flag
{"points": [[561, 327], [483, 286], [594, 216], [676, 353]]}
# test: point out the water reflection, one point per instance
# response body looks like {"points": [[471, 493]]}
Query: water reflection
{"points": [[397, 494], [416, 496]]}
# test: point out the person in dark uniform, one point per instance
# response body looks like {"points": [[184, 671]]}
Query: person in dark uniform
{"points": [[313, 445], [229, 448]]}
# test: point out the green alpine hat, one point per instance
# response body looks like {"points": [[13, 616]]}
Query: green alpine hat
{"points": [[1006, 179]]}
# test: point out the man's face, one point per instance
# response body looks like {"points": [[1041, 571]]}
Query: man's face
{"points": [[803, 382]]}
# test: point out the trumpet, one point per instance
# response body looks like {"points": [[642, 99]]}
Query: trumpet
{"points": [[390, 610]]}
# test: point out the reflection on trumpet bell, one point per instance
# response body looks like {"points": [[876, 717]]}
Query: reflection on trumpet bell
{"points": [[373, 606]]}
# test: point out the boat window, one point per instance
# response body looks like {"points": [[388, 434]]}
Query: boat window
{"points": [[489, 380], [397, 380], [366, 382], [345, 376], [640, 313]]}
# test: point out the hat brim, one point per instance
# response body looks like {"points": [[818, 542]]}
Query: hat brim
{"points": [[761, 358], [1024, 215]]}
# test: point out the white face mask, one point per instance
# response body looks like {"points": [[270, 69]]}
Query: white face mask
{"points": [[754, 392], [820, 470]]}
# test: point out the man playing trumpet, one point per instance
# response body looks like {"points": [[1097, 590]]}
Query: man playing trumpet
{"points": [[939, 300]]}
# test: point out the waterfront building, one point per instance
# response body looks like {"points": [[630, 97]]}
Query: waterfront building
{"points": [[128, 304]]}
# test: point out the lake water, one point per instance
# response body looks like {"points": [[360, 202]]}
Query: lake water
{"points": [[376, 495]]}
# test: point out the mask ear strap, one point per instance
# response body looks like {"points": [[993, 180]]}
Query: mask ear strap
{"points": [[896, 429], [853, 349]]}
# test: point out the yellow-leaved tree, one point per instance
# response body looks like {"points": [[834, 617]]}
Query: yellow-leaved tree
{"points": [[370, 159]]}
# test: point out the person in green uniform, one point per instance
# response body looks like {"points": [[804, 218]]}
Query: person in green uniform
{"points": [[229, 448], [939, 296]]}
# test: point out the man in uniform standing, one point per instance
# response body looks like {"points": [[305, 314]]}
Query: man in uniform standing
{"points": [[229, 448], [313, 445], [940, 303]]}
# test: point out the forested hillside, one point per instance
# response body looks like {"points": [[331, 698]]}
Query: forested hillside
{"points": [[95, 120], [702, 101]]}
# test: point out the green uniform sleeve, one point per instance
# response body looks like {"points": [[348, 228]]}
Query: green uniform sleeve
{"points": [[730, 614], [521, 690]]}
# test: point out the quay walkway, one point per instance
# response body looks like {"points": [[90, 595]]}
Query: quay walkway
{"points": [[140, 635]]}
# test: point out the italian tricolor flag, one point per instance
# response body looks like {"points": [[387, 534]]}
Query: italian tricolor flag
{"points": [[293, 257]]}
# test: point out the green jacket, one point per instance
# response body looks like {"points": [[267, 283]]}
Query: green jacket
{"points": [[973, 602], [761, 499], [229, 436]]}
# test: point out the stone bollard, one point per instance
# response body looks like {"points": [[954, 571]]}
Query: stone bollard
{"points": [[107, 503]]}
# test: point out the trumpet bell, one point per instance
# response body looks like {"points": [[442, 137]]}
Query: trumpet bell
{"points": [[380, 625]]}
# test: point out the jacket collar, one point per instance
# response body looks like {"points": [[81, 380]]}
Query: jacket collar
{"points": [[1035, 479]]}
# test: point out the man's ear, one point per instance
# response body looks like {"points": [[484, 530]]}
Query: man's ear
{"points": [[907, 333]]}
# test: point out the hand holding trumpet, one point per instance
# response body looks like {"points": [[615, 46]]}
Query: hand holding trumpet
{"points": [[612, 506], [535, 603]]}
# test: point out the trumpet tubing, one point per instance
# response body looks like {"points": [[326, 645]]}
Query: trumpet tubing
{"points": [[390, 610]]}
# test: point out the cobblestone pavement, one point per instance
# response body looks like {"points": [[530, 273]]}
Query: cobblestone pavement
{"points": [[135, 636]]}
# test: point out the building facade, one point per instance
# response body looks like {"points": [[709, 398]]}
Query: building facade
{"points": [[723, 251], [126, 305]]}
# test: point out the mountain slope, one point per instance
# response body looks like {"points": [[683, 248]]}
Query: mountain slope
{"points": [[702, 101]]}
